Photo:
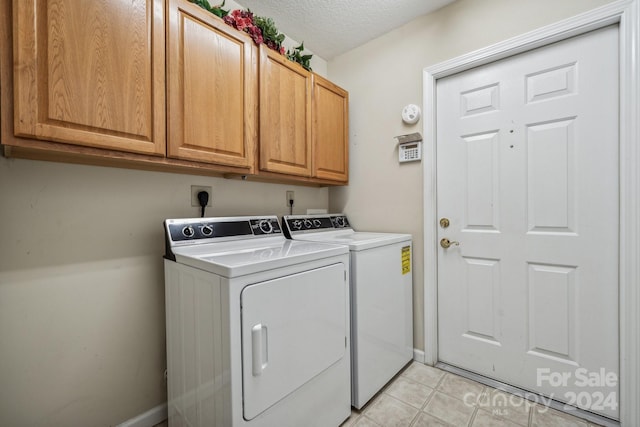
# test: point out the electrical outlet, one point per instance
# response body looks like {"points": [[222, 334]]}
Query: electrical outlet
{"points": [[195, 189], [290, 196]]}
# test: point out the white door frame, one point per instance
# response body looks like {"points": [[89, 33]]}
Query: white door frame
{"points": [[626, 13]]}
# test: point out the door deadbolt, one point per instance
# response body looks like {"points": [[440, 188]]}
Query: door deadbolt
{"points": [[446, 243], [444, 222]]}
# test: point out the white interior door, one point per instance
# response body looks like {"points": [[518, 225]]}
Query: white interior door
{"points": [[527, 174]]}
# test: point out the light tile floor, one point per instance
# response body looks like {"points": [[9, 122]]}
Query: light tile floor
{"points": [[424, 396]]}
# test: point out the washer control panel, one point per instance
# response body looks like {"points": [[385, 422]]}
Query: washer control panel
{"points": [[294, 224], [340, 221], [309, 223]]}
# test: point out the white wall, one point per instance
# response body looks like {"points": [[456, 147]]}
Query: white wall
{"points": [[82, 332], [82, 287], [386, 74]]}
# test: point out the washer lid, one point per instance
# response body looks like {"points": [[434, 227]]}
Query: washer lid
{"points": [[233, 259], [356, 241]]}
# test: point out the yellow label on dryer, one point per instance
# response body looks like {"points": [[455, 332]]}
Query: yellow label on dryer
{"points": [[406, 259]]}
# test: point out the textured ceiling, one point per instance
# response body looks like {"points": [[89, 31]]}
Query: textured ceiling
{"points": [[331, 27]]}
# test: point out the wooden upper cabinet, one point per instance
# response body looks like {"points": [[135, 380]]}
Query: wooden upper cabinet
{"points": [[90, 73], [330, 131], [285, 115], [112, 81], [213, 89]]}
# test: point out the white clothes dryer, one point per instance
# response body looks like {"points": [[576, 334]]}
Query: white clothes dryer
{"points": [[258, 327], [381, 297]]}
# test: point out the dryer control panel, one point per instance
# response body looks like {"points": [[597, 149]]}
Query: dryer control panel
{"points": [[190, 231], [211, 228]]}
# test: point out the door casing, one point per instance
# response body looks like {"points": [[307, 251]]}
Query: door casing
{"points": [[625, 13]]}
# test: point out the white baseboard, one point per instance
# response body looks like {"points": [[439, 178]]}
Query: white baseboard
{"points": [[418, 355], [149, 419]]}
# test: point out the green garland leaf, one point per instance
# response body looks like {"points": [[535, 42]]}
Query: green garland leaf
{"points": [[297, 56], [216, 10], [272, 37]]}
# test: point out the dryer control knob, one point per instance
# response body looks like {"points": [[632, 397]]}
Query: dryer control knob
{"points": [[317, 223], [297, 224], [340, 221], [266, 227], [188, 231], [207, 230], [307, 223]]}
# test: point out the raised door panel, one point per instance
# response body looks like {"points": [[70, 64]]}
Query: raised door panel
{"points": [[91, 73], [212, 76], [285, 115], [330, 131]]}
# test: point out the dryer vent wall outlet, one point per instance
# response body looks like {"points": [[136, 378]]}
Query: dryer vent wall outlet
{"points": [[195, 189]]}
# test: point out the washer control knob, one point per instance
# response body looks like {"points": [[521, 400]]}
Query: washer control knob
{"points": [[266, 227], [297, 224], [307, 223], [340, 221], [317, 223], [188, 231], [207, 230]]}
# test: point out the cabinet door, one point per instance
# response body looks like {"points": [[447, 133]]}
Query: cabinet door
{"points": [[212, 77], [330, 130], [285, 115], [91, 73]]}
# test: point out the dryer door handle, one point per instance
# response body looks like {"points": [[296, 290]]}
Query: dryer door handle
{"points": [[259, 349]]}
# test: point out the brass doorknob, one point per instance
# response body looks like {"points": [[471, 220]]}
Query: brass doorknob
{"points": [[446, 243]]}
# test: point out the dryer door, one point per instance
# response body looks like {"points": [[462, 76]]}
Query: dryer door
{"points": [[293, 328]]}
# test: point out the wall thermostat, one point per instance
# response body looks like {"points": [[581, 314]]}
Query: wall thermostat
{"points": [[411, 114]]}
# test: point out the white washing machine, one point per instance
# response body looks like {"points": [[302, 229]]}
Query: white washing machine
{"points": [[257, 325], [381, 297]]}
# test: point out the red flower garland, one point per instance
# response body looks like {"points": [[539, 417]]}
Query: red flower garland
{"points": [[242, 20]]}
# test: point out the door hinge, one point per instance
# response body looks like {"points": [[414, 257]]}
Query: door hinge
{"points": [[345, 342], [345, 275]]}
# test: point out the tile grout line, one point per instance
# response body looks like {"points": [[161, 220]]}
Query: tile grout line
{"points": [[421, 409], [473, 417], [486, 391], [477, 407]]}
